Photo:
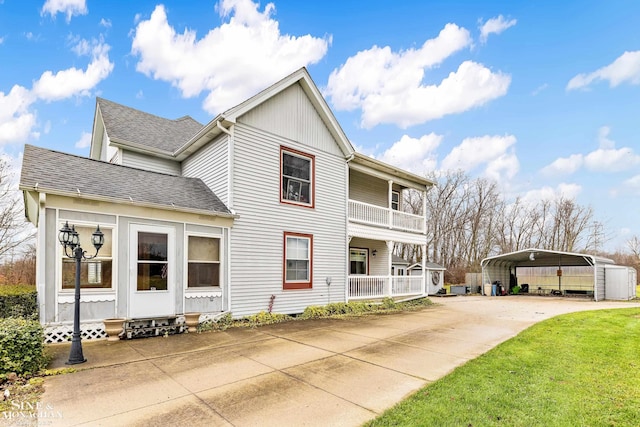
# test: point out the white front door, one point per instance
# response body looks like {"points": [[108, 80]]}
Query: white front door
{"points": [[152, 272]]}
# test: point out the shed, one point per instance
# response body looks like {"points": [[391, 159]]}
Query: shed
{"points": [[562, 273], [435, 275]]}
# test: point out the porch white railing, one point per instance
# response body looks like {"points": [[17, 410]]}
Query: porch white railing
{"points": [[367, 287], [384, 217]]}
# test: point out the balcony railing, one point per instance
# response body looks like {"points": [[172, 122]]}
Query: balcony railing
{"points": [[384, 217], [371, 287]]}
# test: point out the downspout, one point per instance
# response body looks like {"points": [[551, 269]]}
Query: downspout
{"points": [[230, 157], [40, 257], [425, 291], [346, 233]]}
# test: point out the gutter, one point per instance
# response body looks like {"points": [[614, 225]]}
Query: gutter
{"points": [[114, 200]]}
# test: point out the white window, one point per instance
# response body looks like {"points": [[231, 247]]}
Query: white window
{"points": [[395, 200], [298, 254], [94, 273], [203, 262], [297, 175], [358, 260]]}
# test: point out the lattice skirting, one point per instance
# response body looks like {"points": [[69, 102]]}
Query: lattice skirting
{"points": [[62, 332]]}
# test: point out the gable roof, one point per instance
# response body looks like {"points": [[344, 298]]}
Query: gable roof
{"points": [[128, 126], [395, 259], [428, 265], [54, 172], [302, 77]]}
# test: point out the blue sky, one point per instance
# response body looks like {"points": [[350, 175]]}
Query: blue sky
{"points": [[544, 97]]}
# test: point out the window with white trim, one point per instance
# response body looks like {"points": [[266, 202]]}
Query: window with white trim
{"points": [[395, 200], [298, 260], [203, 268], [95, 273], [297, 175]]}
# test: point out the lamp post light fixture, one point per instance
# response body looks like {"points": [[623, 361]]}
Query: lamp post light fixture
{"points": [[70, 240]]}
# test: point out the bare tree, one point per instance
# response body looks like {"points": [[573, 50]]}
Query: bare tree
{"points": [[14, 230]]}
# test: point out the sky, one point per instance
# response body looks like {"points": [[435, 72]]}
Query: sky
{"points": [[543, 97]]}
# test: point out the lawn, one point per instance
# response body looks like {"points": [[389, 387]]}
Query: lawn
{"points": [[581, 369]]}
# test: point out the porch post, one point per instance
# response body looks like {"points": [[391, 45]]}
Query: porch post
{"points": [[425, 291], [389, 204], [389, 263], [424, 213]]}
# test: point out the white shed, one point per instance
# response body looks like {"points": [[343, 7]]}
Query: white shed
{"points": [[562, 273]]}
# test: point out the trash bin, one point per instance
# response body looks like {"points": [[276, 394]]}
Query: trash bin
{"points": [[487, 289]]}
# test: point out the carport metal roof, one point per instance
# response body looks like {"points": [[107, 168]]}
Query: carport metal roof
{"points": [[533, 257]]}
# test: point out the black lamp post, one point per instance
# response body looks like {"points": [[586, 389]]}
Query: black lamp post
{"points": [[70, 239]]}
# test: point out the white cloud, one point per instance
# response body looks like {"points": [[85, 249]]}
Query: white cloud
{"points": [[476, 151], [106, 23], [231, 62], [73, 81], [16, 121], [84, 141], [625, 69], [1, 40], [564, 165], [633, 184], [609, 159], [503, 168], [392, 90], [495, 26], [416, 155], [17, 116], [566, 190], [539, 89], [68, 7]]}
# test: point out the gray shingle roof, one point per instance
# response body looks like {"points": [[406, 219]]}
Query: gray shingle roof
{"points": [[130, 125], [67, 173]]}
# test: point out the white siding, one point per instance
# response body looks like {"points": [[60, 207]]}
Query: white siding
{"points": [[292, 115], [257, 235], [150, 163], [210, 164], [367, 189]]}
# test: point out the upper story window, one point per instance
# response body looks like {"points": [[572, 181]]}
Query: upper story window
{"points": [[203, 262], [95, 273], [395, 200], [297, 179]]}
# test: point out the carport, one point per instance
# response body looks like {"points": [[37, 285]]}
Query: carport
{"points": [[560, 273]]}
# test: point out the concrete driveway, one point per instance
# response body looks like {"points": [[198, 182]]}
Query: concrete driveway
{"points": [[332, 372]]}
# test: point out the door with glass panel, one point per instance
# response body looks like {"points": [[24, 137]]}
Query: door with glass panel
{"points": [[151, 271]]}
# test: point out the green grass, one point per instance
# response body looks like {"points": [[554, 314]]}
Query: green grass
{"points": [[581, 369]]}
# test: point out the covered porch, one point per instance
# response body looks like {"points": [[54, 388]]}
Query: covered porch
{"points": [[371, 274]]}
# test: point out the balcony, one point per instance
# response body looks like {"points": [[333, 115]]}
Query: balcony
{"points": [[372, 287], [378, 216]]}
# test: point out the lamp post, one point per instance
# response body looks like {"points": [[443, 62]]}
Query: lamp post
{"points": [[70, 239]]}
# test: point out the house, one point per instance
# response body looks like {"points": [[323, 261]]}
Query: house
{"points": [[267, 206]]}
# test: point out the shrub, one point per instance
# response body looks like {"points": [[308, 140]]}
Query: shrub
{"points": [[389, 304], [21, 346], [337, 308], [265, 318], [18, 301], [314, 312]]}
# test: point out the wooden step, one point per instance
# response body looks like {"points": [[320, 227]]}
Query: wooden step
{"points": [[152, 327]]}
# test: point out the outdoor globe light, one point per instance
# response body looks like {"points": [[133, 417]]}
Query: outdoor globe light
{"points": [[70, 240]]}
